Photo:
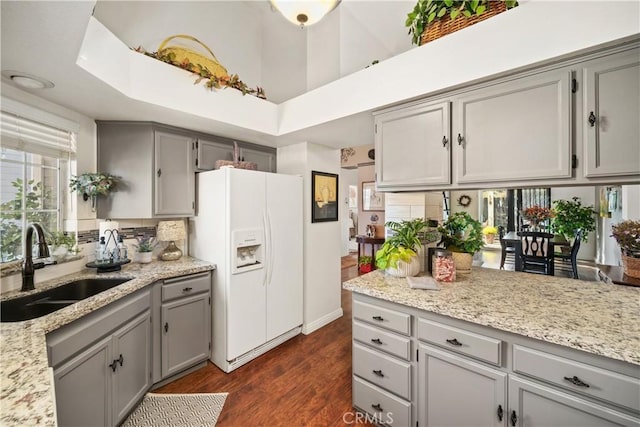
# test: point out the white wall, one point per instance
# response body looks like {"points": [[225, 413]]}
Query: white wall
{"points": [[323, 51], [587, 197], [232, 30], [347, 177], [631, 202], [322, 287]]}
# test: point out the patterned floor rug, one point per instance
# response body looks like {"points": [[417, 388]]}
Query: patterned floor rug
{"points": [[177, 410]]}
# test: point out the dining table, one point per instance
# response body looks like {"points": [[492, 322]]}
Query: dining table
{"points": [[512, 238]]}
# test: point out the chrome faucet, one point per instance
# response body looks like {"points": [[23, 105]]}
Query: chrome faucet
{"points": [[43, 252]]}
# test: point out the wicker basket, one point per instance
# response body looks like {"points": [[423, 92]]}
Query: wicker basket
{"points": [[444, 26], [238, 165], [182, 53], [631, 266]]}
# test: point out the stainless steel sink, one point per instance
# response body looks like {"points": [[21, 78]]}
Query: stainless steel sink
{"points": [[41, 303]]}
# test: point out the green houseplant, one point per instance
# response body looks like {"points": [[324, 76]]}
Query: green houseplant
{"points": [[364, 264], [62, 243], [91, 185], [145, 248], [426, 12], [569, 216], [398, 255], [462, 235]]}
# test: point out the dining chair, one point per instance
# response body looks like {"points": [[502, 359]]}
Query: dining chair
{"points": [[508, 249], [536, 252], [570, 260]]}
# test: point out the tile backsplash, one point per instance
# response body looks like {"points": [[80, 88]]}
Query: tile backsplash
{"points": [[90, 236]]}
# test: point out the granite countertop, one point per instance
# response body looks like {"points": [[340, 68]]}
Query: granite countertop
{"points": [[590, 316], [26, 381]]}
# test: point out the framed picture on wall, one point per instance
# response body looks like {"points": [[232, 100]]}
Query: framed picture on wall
{"points": [[324, 196], [372, 200]]}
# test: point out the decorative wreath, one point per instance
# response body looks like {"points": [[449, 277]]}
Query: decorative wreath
{"points": [[464, 200]]}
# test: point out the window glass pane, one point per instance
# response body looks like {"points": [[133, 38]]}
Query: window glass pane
{"points": [[10, 239], [49, 188], [11, 182]]}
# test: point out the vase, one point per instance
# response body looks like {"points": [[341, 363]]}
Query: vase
{"points": [[463, 261], [631, 266], [489, 238], [144, 257], [405, 269]]}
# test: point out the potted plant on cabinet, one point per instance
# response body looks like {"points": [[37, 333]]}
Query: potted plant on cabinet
{"points": [[627, 234], [145, 248], [569, 216], [399, 254], [364, 264], [489, 232], [431, 19], [462, 235]]}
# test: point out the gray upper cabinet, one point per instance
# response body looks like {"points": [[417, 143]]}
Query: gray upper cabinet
{"points": [[155, 167], [174, 179], [611, 130], [208, 152], [413, 146], [515, 131], [265, 160]]}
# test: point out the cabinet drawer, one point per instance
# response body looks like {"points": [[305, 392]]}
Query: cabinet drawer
{"points": [[389, 319], [384, 371], [387, 408], [382, 340], [461, 341], [185, 286], [579, 377]]}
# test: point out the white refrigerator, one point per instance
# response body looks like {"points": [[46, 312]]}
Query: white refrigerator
{"points": [[249, 224]]}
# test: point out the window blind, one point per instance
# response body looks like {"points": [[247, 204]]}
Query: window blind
{"points": [[20, 133]]}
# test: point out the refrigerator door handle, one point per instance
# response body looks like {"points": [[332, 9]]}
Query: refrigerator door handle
{"points": [[267, 248], [271, 253]]}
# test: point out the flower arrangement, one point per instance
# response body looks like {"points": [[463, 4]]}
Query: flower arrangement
{"points": [[211, 80], [145, 243], [93, 184], [461, 233], [536, 214], [627, 234], [489, 229]]}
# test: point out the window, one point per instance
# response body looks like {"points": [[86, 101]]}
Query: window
{"points": [[503, 207], [33, 169]]}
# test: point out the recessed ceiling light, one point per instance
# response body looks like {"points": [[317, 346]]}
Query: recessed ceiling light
{"points": [[27, 81]]}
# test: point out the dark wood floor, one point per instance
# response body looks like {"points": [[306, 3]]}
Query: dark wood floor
{"points": [[303, 382]]}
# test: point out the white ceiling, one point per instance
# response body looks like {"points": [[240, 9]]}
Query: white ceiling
{"points": [[43, 38]]}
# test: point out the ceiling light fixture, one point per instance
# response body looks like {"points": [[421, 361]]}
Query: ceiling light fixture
{"points": [[27, 81], [304, 12]]}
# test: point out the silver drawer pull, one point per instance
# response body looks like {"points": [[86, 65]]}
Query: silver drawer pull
{"points": [[455, 342], [377, 407], [378, 318], [376, 341], [187, 289], [378, 372], [576, 381]]}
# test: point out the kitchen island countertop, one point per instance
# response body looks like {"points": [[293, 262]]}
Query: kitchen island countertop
{"points": [[589, 316], [26, 381]]}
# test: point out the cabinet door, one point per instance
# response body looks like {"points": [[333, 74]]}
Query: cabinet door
{"points": [[174, 184], [610, 117], [208, 152], [514, 131], [266, 161], [82, 387], [185, 333], [454, 391], [132, 354], [413, 146], [531, 404]]}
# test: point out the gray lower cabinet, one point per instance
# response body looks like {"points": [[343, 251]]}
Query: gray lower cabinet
{"points": [[185, 321], [463, 374], [610, 115], [454, 391], [102, 363], [532, 404]]}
